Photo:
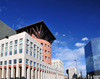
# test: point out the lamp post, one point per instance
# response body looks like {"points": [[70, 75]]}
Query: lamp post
{"points": [[76, 67]]}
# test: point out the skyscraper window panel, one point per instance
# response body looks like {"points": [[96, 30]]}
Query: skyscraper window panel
{"points": [[20, 48]]}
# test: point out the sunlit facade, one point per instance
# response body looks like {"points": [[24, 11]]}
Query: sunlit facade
{"points": [[92, 57]]}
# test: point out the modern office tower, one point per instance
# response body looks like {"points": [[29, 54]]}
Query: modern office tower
{"points": [[40, 32], [21, 58], [92, 58], [58, 64], [5, 30]]}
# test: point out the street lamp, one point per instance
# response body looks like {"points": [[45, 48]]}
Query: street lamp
{"points": [[76, 67]]}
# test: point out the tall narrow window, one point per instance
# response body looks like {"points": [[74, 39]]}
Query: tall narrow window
{"points": [[37, 64], [5, 63], [27, 41], [42, 44], [6, 44], [2, 50], [1, 63], [34, 53], [37, 55], [40, 56], [6, 51], [16, 41], [31, 44], [21, 40], [11, 43], [15, 61], [27, 49], [10, 50], [31, 51], [34, 64], [26, 61], [34, 46], [20, 48], [9, 61], [31, 63], [15, 49]]}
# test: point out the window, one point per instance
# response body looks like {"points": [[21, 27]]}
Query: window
{"points": [[15, 61], [37, 55], [31, 51], [27, 49], [45, 51], [45, 57], [1, 63], [11, 43], [31, 63], [9, 61], [6, 50], [27, 41], [45, 45], [5, 63], [2, 52], [34, 64], [42, 44], [34, 53], [21, 40], [34, 46], [31, 44], [15, 49], [20, 48], [37, 64], [20, 60], [26, 61], [10, 50], [6, 44], [37, 48], [16, 41], [40, 66], [40, 56], [2, 45]]}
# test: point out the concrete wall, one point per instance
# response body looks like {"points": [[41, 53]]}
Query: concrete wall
{"points": [[5, 30]]}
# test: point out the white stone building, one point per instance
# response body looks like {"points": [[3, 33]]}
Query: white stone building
{"points": [[58, 64], [21, 58]]}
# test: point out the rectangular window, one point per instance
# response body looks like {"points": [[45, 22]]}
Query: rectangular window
{"points": [[34, 64], [37, 64], [31, 63], [10, 51], [31, 51], [16, 41], [45, 45], [6, 44], [34, 53], [20, 48], [15, 61], [31, 44], [40, 66], [20, 60], [11, 43], [45, 51], [45, 57], [40, 56], [9, 61], [27, 41], [1, 63], [37, 48], [15, 49], [5, 63], [21, 40], [26, 61], [2, 45], [27, 49], [34, 46], [42, 44], [37, 54], [6, 51]]}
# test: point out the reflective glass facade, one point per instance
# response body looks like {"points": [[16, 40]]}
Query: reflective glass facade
{"points": [[92, 57]]}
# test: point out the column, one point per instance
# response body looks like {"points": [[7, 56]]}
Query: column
{"points": [[17, 69], [12, 71], [2, 70], [23, 68], [28, 72]]}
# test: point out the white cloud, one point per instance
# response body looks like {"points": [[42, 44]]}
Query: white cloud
{"points": [[19, 26], [61, 42], [68, 56], [56, 33], [79, 44], [63, 35], [84, 39]]}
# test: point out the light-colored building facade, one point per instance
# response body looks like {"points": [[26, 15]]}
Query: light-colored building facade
{"points": [[21, 58], [72, 72], [58, 64]]}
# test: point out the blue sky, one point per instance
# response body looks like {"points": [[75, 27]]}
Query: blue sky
{"points": [[73, 22]]}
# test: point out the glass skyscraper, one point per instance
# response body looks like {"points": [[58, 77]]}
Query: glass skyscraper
{"points": [[92, 57]]}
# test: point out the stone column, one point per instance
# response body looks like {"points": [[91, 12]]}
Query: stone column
{"points": [[17, 69], [2, 70]]}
